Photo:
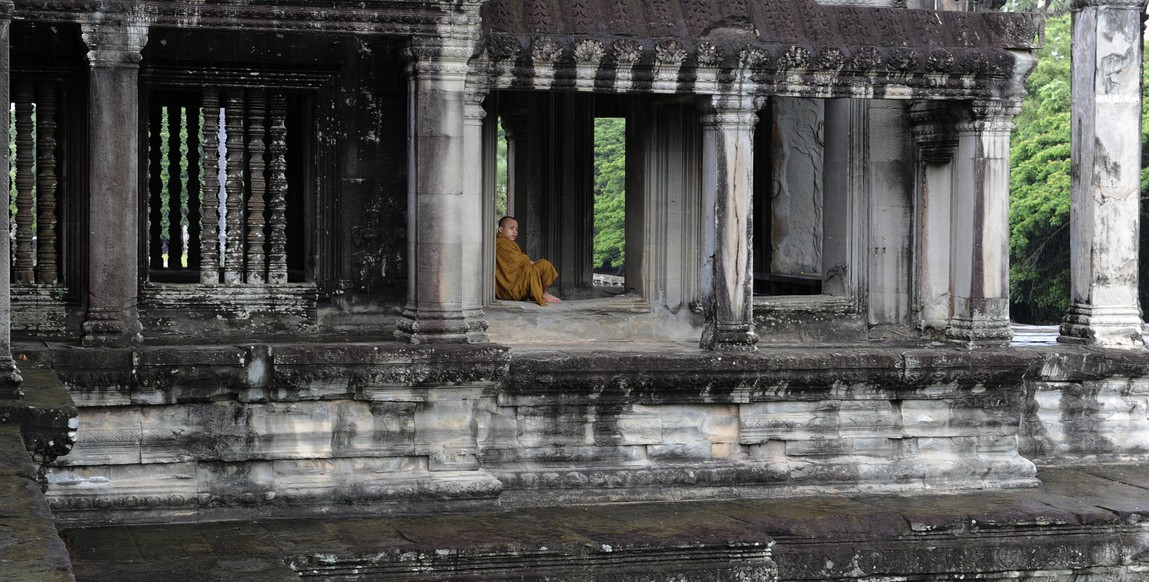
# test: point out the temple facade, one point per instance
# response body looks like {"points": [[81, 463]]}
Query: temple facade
{"points": [[254, 243]]}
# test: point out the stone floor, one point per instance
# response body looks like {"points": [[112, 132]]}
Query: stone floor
{"points": [[1084, 518]]}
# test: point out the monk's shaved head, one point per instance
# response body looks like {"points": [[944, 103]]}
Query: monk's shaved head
{"points": [[503, 220]]}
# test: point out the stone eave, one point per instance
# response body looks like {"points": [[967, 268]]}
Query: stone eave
{"points": [[682, 66], [781, 47]]}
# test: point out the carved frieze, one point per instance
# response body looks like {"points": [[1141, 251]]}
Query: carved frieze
{"points": [[582, 16], [539, 18]]}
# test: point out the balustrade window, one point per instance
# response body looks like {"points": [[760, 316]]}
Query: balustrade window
{"points": [[224, 204], [33, 178]]}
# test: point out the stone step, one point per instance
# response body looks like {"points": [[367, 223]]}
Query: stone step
{"points": [[1085, 521]]}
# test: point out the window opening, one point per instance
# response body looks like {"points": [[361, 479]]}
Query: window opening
{"points": [[224, 205], [609, 202], [501, 202]]}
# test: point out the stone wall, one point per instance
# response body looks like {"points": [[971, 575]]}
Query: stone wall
{"points": [[294, 429], [1087, 407]]}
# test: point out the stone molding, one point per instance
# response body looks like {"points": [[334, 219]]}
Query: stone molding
{"points": [[934, 131], [116, 39]]}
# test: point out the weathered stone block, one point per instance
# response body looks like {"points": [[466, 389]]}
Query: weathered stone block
{"points": [[107, 436], [792, 420], [699, 423], [373, 429]]}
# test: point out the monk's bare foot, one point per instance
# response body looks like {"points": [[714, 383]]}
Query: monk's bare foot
{"points": [[551, 298]]}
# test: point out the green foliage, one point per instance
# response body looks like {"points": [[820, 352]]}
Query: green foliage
{"points": [[1051, 7], [609, 191], [501, 172], [1040, 186]]}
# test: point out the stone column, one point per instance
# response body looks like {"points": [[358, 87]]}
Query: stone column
{"points": [[979, 226], [114, 40], [727, 182], [9, 376], [936, 139], [474, 227], [435, 189], [1106, 154]]}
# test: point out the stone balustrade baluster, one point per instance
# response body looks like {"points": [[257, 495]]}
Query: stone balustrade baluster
{"points": [[23, 95], [47, 263], [257, 197], [233, 258], [209, 215], [277, 190]]}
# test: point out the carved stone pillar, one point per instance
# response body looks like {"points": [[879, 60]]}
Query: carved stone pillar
{"points": [[936, 139], [1106, 154], [979, 227], [114, 43], [9, 376], [727, 183], [473, 226], [435, 207]]}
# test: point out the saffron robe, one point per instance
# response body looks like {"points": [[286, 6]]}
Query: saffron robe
{"points": [[517, 278]]}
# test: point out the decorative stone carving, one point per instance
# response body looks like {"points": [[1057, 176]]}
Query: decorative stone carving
{"points": [[626, 52], [545, 50], [709, 54], [754, 58], [589, 51], [795, 57], [940, 61], [830, 59], [670, 53]]}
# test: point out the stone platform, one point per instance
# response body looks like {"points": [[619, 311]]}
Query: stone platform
{"points": [[1083, 523]]}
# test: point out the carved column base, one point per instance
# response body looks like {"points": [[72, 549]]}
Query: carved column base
{"points": [[1109, 327], [112, 328], [476, 326], [979, 332], [729, 338], [433, 327]]}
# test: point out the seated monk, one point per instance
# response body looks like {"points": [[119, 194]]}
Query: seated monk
{"points": [[517, 277]]}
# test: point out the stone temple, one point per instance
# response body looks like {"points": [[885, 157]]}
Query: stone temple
{"points": [[250, 281]]}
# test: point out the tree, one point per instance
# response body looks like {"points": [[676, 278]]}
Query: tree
{"points": [[1040, 186], [609, 192]]}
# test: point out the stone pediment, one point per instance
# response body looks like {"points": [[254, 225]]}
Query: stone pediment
{"points": [[843, 46]]}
